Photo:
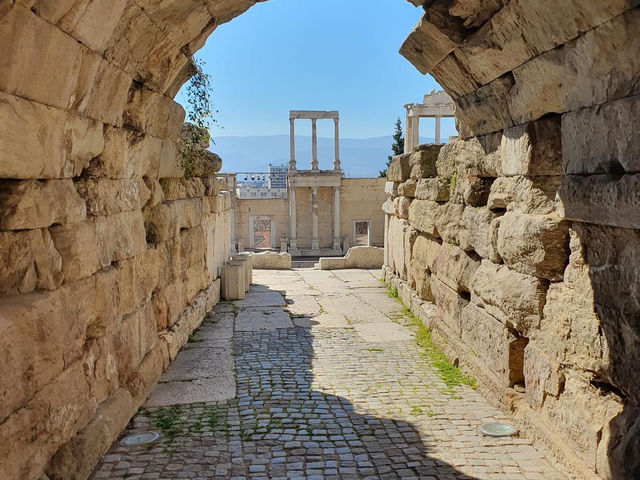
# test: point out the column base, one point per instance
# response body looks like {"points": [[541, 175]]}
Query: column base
{"points": [[315, 244], [337, 243], [336, 165]]}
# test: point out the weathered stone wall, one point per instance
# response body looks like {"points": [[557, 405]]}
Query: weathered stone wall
{"points": [[524, 233], [109, 258]]}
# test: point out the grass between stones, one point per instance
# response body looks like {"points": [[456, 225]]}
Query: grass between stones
{"points": [[449, 373]]}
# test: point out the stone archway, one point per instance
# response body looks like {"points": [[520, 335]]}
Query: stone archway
{"points": [[110, 257]]}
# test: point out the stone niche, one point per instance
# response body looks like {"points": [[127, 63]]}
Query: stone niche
{"points": [[524, 232]]}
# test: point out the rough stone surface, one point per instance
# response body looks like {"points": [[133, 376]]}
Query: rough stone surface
{"points": [[271, 261], [534, 245]]}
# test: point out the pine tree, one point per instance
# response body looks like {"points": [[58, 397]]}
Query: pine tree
{"points": [[397, 147]]}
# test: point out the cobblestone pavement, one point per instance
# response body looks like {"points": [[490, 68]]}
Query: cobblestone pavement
{"points": [[328, 386]]}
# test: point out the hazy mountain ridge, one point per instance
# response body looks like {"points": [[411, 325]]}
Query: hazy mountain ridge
{"points": [[359, 157]]}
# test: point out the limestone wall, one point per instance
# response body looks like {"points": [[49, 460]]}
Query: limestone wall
{"points": [[525, 232], [360, 199], [109, 258]]}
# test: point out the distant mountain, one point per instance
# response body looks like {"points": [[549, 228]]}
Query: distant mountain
{"points": [[359, 157]]}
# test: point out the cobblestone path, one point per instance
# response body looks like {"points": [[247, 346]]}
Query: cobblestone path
{"points": [[323, 383]]}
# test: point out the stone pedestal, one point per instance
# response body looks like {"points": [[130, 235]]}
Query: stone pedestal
{"points": [[245, 259], [283, 244], [232, 286]]}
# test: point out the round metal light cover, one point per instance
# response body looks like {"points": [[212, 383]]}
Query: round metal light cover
{"points": [[497, 429], [142, 438]]}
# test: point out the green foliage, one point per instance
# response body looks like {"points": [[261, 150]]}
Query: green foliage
{"points": [[168, 420], [194, 138], [452, 183], [397, 147], [392, 292]]}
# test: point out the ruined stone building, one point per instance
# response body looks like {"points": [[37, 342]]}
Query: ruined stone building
{"points": [[319, 212], [518, 243]]}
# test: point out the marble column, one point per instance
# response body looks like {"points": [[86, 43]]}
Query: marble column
{"points": [[315, 240], [314, 145], [407, 132], [415, 132], [293, 242], [292, 144], [437, 136], [336, 162], [336, 218]]}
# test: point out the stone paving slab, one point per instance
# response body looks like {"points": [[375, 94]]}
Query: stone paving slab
{"points": [[319, 397], [257, 319], [261, 299]]}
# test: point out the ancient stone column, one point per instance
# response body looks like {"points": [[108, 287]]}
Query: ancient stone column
{"points": [[415, 132], [336, 162], [293, 242], [314, 145], [292, 144], [315, 241], [437, 136], [407, 131], [336, 218]]}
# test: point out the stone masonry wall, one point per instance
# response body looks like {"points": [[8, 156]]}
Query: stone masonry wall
{"points": [[109, 257], [524, 233]]}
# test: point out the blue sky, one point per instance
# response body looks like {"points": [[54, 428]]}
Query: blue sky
{"points": [[341, 55]]}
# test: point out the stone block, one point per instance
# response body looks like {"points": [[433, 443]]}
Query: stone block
{"points": [[449, 222], [534, 148], [127, 154], [435, 36], [271, 261], [420, 280], [425, 251], [232, 278], [602, 199], [120, 236], [30, 437], [396, 243], [423, 161], [29, 261], [168, 161], [220, 203], [434, 189], [423, 215], [31, 204], [136, 336], [247, 263], [39, 141], [579, 74], [513, 298], [476, 232], [454, 267], [389, 207], [364, 257], [105, 196], [332, 263], [178, 188], [450, 305], [602, 139], [525, 194], [474, 190], [152, 113], [391, 188], [479, 156], [455, 79], [164, 221], [407, 189], [495, 346], [401, 207], [486, 110], [76, 459], [543, 371], [399, 168], [137, 278], [522, 30], [78, 246], [534, 245], [168, 302]]}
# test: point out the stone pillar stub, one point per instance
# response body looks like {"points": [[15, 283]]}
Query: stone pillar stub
{"points": [[314, 144], [336, 219], [315, 240], [436, 138]]}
